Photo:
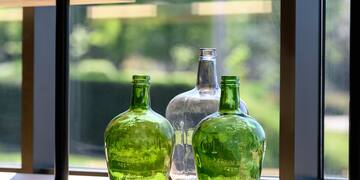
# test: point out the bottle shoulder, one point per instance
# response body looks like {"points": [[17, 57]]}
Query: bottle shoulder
{"points": [[197, 94], [226, 123], [146, 114], [140, 119], [193, 101]]}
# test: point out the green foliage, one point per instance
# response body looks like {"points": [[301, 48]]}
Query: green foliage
{"points": [[182, 55], [10, 41], [94, 70], [79, 42], [105, 33], [10, 72], [100, 70], [235, 61]]}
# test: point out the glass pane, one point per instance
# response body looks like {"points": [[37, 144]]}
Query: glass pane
{"points": [[10, 86], [110, 43], [337, 87]]}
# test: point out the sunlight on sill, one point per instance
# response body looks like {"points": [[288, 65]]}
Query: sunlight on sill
{"points": [[19, 176]]}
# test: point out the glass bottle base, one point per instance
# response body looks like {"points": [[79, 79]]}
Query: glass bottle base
{"points": [[183, 176], [125, 176]]}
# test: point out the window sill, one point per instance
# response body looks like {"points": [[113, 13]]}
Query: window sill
{"points": [[21, 176]]}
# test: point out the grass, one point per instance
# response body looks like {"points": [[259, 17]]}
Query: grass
{"points": [[10, 159], [336, 153], [14, 158], [87, 161]]}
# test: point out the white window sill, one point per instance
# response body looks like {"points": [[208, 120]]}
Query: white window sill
{"points": [[21, 176]]}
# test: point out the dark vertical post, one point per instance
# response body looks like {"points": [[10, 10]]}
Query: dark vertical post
{"points": [[354, 149], [321, 108], [287, 89], [27, 90], [61, 90]]}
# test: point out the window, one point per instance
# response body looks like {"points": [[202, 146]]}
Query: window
{"points": [[10, 86], [275, 46], [337, 87], [111, 43]]}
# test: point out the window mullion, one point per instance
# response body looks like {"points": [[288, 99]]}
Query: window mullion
{"points": [[27, 90], [38, 90], [301, 89], [44, 85]]}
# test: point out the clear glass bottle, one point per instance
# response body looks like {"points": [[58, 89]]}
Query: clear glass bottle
{"points": [[139, 141], [187, 109], [229, 145]]}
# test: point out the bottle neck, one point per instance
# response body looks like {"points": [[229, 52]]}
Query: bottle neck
{"points": [[140, 96], [230, 99], [206, 77]]}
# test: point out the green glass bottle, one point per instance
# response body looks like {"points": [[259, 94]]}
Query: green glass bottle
{"points": [[139, 141], [229, 144]]}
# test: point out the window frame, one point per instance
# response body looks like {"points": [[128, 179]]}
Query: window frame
{"points": [[354, 125], [301, 92], [302, 89]]}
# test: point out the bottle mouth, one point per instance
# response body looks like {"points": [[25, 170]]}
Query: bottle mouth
{"points": [[141, 79], [211, 52], [234, 80]]}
